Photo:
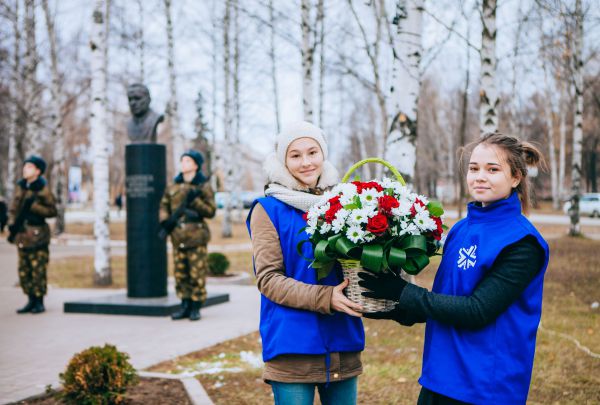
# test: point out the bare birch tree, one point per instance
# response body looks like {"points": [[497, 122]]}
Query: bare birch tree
{"points": [[488, 92], [226, 155], [307, 52], [575, 228], [320, 26], [141, 41], [274, 66], [31, 87], [59, 170], [404, 90], [172, 113], [16, 106], [98, 134]]}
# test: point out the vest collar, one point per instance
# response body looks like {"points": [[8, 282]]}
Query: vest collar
{"points": [[496, 211]]}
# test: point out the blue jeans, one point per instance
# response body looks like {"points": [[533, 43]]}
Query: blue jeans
{"points": [[336, 393]]}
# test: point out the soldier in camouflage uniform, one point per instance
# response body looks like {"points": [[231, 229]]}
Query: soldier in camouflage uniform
{"points": [[32, 204], [183, 209]]}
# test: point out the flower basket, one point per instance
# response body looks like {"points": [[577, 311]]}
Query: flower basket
{"points": [[373, 226], [351, 268]]}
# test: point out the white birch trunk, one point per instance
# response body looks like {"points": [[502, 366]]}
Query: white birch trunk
{"points": [[33, 136], [142, 43], [227, 154], [274, 66], [307, 53], [562, 144], [59, 171], [216, 161], [14, 108], [235, 151], [321, 29], [549, 115], [575, 228], [406, 81], [488, 92], [98, 138], [178, 143]]}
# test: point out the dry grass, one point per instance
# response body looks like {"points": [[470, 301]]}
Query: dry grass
{"points": [[392, 358], [118, 230], [78, 271]]}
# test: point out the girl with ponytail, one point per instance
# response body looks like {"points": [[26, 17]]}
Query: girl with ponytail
{"points": [[485, 306]]}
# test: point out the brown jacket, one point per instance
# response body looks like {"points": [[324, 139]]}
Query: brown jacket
{"points": [[276, 286], [35, 232], [191, 230]]}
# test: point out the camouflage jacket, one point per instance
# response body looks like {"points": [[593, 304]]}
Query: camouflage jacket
{"points": [[191, 230], [35, 232]]}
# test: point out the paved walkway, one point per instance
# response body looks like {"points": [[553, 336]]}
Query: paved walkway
{"points": [[34, 349]]}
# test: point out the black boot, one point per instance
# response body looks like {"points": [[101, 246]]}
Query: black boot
{"points": [[183, 311], [28, 307], [38, 306], [195, 311]]}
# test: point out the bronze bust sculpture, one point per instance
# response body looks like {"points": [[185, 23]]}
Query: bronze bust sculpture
{"points": [[141, 128]]}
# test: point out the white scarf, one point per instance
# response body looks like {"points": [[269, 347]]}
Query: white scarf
{"points": [[283, 186]]}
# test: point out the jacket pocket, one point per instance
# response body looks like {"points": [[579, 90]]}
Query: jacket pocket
{"points": [[33, 237]]}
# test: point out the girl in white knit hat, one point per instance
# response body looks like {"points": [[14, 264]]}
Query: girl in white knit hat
{"points": [[312, 335]]}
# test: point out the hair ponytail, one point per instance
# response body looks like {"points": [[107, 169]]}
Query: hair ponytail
{"points": [[519, 155]]}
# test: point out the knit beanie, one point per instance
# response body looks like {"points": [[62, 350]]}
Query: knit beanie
{"points": [[196, 157], [37, 161], [299, 129]]}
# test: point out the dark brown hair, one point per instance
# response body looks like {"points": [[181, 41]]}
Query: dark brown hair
{"points": [[519, 155]]}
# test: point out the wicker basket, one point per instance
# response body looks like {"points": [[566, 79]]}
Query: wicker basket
{"points": [[353, 291]]}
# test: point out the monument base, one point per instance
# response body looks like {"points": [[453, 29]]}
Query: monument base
{"points": [[120, 304]]}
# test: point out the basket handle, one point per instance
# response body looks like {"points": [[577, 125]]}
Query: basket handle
{"points": [[374, 160]]}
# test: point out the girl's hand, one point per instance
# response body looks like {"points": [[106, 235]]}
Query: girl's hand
{"points": [[340, 303]]}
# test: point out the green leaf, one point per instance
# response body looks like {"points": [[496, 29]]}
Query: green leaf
{"points": [[350, 206], [372, 257], [435, 208]]}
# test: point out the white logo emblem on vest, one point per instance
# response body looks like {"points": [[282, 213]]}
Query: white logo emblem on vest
{"points": [[467, 257]]}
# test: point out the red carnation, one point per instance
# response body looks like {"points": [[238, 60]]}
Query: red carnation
{"points": [[378, 224], [413, 210], [437, 234], [305, 216], [387, 202], [360, 186], [333, 209]]}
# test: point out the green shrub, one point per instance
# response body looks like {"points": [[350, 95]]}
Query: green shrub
{"points": [[218, 263], [98, 376]]}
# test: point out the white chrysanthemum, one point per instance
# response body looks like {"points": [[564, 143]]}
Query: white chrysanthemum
{"points": [[325, 227], [409, 228], [358, 216], [369, 196], [369, 237], [424, 221], [423, 199], [388, 183], [342, 214], [322, 209], [401, 191], [419, 209], [403, 209], [355, 234], [347, 198], [346, 189], [337, 225], [311, 229]]}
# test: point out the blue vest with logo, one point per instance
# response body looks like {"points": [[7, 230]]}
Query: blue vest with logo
{"points": [[491, 365], [286, 330]]}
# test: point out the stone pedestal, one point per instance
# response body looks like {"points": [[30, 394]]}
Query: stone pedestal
{"points": [[145, 169]]}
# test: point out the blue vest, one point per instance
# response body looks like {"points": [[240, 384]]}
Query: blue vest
{"points": [[491, 365], [286, 330]]}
